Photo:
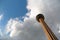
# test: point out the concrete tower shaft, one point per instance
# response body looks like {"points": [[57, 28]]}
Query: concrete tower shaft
{"points": [[49, 34]]}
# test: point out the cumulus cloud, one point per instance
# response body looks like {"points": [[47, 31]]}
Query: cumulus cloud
{"points": [[13, 27], [29, 28], [50, 9]]}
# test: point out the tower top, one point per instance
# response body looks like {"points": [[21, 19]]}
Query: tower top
{"points": [[39, 16]]}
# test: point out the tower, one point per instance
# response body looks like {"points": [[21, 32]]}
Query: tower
{"points": [[49, 34]]}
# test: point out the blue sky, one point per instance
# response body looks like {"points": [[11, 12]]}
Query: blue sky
{"points": [[12, 9]]}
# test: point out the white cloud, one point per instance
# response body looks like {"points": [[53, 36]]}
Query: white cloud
{"points": [[1, 16], [12, 27], [34, 7], [27, 30]]}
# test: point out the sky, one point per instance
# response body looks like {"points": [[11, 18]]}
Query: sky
{"points": [[12, 9], [18, 19]]}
